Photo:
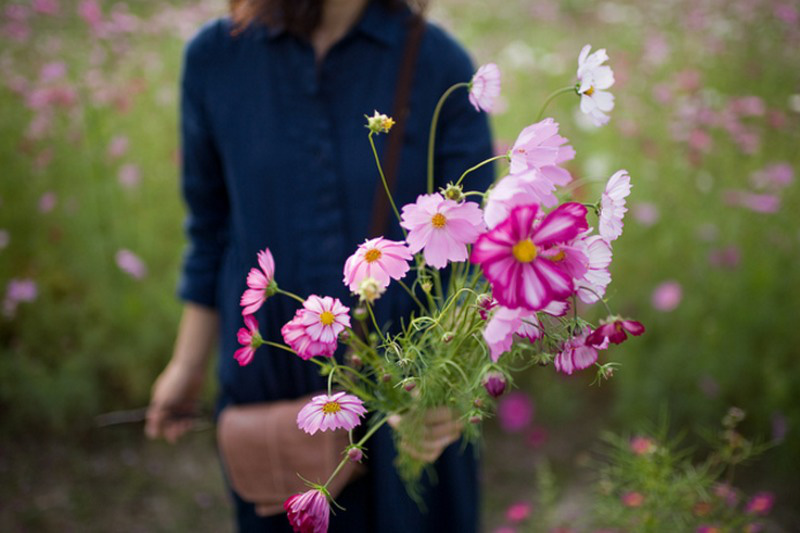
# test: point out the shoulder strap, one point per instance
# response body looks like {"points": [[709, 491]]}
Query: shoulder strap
{"points": [[400, 111]]}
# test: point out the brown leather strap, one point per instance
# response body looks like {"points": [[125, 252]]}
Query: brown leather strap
{"points": [[400, 112]]}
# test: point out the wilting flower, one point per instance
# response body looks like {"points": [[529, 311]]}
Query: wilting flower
{"points": [[667, 296], [511, 255], [612, 205], [594, 78], [613, 330], [323, 412], [130, 263], [370, 290], [442, 227], [540, 147], [325, 318], [308, 512], [377, 258], [250, 339], [259, 283], [494, 383], [761, 503], [592, 285], [379, 123], [296, 336], [576, 354], [485, 87]]}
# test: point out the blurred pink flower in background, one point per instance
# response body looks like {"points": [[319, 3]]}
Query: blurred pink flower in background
{"points": [[52, 71], [90, 11], [5, 238], [761, 503], [787, 13], [748, 106], [700, 140], [759, 203], [46, 7], [726, 493], [518, 512], [118, 146], [667, 296], [515, 411], [775, 177], [645, 213], [727, 257], [536, 436], [505, 529], [129, 175], [18, 291], [642, 445], [131, 264], [632, 499], [47, 202], [656, 49], [780, 426]]}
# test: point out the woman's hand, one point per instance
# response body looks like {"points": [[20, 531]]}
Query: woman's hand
{"points": [[174, 402], [441, 429]]}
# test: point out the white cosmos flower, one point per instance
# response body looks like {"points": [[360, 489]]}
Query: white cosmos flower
{"points": [[595, 78]]}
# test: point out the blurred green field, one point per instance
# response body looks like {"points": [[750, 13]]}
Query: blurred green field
{"points": [[707, 122]]}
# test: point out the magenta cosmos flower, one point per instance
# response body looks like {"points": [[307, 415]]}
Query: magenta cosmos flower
{"points": [[484, 88], [576, 354], [540, 147], [377, 258], [613, 330], [612, 205], [258, 282], [308, 512], [325, 318], [443, 228], [323, 412], [514, 259], [250, 339], [295, 334]]}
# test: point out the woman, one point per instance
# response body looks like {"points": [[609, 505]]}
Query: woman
{"points": [[275, 154]]}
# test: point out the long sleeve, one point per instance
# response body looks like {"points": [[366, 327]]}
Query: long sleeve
{"points": [[203, 187]]}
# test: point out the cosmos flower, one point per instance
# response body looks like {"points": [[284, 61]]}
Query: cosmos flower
{"points": [[592, 285], [323, 412], [377, 258], [612, 205], [526, 188], [325, 318], [576, 354], [250, 339], [613, 330], [484, 88], [308, 512], [540, 147], [295, 334], [258, 283], [594, 78]]}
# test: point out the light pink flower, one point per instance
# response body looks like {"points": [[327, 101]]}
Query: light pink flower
{"points": [[377, 258], [325, 318], [17, 291], [515, 411], [526, 188], [118, 146], [612, 205], [485, 87], [295, 335], [505, 323], [129, 175], [52, 71], [442, 227], [774, 177], [46, 7], [594, 78], [308, 512], [131, 264], [666, 296], [250, 339], [645, 213], [576, 354], [513, 255], [47, 202], [592, 285], [323, 412], [759, 203], [258, 283], [90, 11], [540, 147]]}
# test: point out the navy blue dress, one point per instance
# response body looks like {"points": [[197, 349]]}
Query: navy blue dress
{"points": [[275, 154]]}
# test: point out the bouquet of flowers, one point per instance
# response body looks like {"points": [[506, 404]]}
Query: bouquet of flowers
{"points": [[518, 263]]}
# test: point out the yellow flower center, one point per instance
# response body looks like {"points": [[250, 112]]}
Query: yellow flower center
{"points": [[438, 220], [524, 251], [589, 91], [327, 318], [559, 256], [331, 408], [372, 255]]}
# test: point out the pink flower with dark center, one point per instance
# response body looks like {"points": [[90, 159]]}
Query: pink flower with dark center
{"points": [[515, 411], [377, 258], [259, 283], [308, 512], [529, 187], [613, 330], [612, 205], [442, 227], [485, 87], [761, 503], [250, 339], [131, 264], [325, 318], [592, 285], [295, 335], [540, 147], [323, 412], [594, 78], [667, 296], [576, 354], [514, 256]]}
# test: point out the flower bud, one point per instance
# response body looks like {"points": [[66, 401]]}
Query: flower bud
{"points": [[475, 419], [454, 192], [427, 286], [370, 290], [386, 378], [355, 454], [379, 123], [344, 336], [356, 361], [495, 384], [360, 313], [448, 336], [409, 385]]}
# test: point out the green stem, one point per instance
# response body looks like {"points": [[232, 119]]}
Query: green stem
{"points": [[552, 96], [281, 346], [375, 322], [432, 134], [290, 295], [360, 443], [479, 165], [383, 180], [411, 293]]}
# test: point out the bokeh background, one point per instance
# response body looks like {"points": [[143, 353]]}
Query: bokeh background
{"points": [[707, 123]]}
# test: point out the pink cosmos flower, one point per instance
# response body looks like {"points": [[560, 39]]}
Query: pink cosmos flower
{"points": [[526, 188], [442, 227], [250, 339], [17, 291], [774, 177], [505, 323], [131, 264], [258, 283], [518, 512], [759, 203], [613, 330], [325, 318], [485, 87], [52, 71], [514, 259], [47, 202], [118, 146], [295, 335], [308, 512], [646, 213], [592, 285], [576, 354], [377, 258], [515, 411], [612, 205], [540, 147], [642, 445], [323, 412], [761, 503], [632, 499], [667, 296], [129, 175], [46, 7], [594, 78]]}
